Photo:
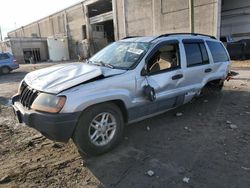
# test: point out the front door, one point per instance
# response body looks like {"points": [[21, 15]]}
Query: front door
{"points": [[165, 76]]}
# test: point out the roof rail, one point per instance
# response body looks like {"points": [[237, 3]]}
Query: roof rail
{"points": [[128, 37], [194, 34]]}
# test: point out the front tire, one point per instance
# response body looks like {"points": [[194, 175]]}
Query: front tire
{"points": [[99, 129]]}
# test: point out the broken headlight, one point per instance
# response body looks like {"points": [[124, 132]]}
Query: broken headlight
{"points": [[20, 87], [48, 103]]}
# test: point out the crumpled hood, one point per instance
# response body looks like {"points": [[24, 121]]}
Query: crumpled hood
{"points": [[60, 77]]}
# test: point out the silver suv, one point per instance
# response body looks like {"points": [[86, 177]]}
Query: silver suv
{"points": [[128, 81]]}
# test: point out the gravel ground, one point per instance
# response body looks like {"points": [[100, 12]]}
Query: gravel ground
{"points": [[206, 145]]}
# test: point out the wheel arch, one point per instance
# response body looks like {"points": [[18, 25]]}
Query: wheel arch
{"points": [[118, 102]]}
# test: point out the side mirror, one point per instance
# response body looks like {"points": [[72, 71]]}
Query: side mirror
{"points": [[150, 93], [144, 71]]}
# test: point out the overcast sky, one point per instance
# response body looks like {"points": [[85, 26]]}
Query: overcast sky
{"points": [[17, 13]]}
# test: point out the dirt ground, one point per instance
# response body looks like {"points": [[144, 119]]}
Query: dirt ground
{"points": [[207, 146]]}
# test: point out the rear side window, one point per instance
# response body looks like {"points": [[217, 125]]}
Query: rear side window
{"points": [[196, 54], [4, 56], [218, 52]]}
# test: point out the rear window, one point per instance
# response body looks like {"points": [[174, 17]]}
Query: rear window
{"points": [[218, 52], [4, 56]]}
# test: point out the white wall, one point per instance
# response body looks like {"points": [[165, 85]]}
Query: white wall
{"points": [[58, 49]]}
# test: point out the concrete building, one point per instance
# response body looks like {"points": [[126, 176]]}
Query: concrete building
{"points": [[24, 48], [92, 24]]}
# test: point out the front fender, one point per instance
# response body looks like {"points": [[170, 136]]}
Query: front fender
{"points": [[80, 103]]}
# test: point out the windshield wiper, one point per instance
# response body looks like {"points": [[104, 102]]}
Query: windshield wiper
{"points": [[101, 63]]}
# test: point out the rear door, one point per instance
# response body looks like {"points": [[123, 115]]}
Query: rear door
{"points": [[197, 65], [220, 59]]}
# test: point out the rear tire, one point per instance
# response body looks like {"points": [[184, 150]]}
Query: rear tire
{"points": [[212, 87], [5, 70], [99, 129]]}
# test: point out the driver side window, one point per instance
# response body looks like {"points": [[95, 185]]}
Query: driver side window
{"points": [[166, 58]]}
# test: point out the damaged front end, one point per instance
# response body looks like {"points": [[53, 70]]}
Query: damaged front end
{"points": [[39, 101]]}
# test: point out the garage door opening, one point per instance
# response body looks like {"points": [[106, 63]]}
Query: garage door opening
{"points": [[103, 34], [32, 55], [235, 22]]}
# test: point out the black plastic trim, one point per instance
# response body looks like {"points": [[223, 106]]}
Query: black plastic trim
{"points": [[58, 127]]}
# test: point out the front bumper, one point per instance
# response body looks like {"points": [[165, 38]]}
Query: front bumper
{"points": [[58, 127]]}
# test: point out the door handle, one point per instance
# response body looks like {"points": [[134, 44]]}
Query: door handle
{"points": [[177, 76], [208, 70]]}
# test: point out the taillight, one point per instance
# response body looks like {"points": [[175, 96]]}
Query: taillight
{"points": [[15, 61]]}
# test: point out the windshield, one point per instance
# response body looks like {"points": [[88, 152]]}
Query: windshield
{"points": [[121, 55]]}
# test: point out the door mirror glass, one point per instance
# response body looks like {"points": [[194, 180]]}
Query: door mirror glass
{"points": [[150, 93], [144, 71]]}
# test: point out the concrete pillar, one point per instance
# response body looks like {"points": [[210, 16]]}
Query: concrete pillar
{"points": [[1, 36], [191, 16], [217, 17], [115, 23], [23, 31], [39, 31], [89, 32], [66, 24], [124, 17], [52, 26]]}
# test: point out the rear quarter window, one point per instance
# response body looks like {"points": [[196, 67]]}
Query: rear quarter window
{"points": [[4, 56], [218, 52]]}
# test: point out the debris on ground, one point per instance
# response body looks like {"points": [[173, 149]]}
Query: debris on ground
{"points": [[57, 145], [228, 122], [245, 168], [30, 144], [187, 128], [205, 101], [148, 128], [248, 113], [5, 179], [186, 180], [181, 170], [233, 126], [150, 173], [37, 137], [178, 114]]}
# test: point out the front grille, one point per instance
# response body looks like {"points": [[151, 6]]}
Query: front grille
{"points": [[28, 95]]}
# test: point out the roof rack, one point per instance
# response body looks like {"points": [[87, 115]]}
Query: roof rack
{"points": [[194, 34], [128, 37]]}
